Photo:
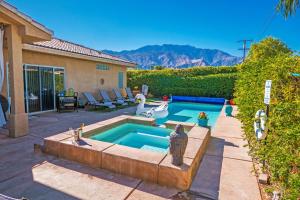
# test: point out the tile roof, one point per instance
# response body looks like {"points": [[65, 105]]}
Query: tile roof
{"points": [[63, 45]]}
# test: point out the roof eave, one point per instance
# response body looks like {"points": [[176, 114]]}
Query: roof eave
{"points": [[46, 50], [25, 17]]}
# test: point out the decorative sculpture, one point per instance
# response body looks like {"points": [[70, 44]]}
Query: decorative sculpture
{"points": [[77, 133], [178, 143], [81, 129]]}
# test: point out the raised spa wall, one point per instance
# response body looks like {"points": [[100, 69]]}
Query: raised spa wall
{"points": [[146, 165]]}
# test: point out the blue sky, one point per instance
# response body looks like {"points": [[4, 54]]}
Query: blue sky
{"points": [[130, 24]]}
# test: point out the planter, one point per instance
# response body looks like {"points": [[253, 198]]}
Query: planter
{"points": [[228, 110], [165, 98], [203, 122], [231, 102]]}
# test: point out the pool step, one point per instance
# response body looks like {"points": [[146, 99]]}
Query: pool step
{"points": [[154, 136]]}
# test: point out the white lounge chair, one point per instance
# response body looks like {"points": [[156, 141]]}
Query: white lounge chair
{"points": [[93, 102], [107, 99], [145, 90], [119, 95], [130, 95]]}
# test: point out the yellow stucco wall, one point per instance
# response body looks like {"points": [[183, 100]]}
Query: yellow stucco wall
{"points": [[81, 75]]}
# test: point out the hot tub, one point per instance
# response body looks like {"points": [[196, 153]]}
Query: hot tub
{"points": [[137, 136]]}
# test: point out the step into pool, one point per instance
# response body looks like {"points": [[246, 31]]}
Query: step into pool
{"points": [[137, 136]]}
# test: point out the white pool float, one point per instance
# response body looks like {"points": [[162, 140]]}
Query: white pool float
{"points": [[154, 112]]}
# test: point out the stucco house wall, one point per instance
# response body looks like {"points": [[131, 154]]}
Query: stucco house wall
{"points": [[80, 74]]}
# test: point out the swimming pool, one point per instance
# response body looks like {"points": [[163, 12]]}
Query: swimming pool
{"points": [[188, 112], [137, 136]]}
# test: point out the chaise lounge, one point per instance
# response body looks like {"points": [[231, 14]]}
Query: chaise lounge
{"points": [[120, 97], [93, 102], [107, 99], [130, 95]]}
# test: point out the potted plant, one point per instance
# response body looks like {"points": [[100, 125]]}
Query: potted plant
{"points": [[202, 119]]}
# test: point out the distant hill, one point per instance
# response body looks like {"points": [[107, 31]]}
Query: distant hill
{"points": [[179, 56]]}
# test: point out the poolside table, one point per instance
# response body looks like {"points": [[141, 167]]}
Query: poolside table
{"points": [[66, 103]]}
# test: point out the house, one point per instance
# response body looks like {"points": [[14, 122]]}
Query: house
{"points": [[37, 66]]}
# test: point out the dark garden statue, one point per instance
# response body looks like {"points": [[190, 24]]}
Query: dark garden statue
{"points": [[178, 143]]}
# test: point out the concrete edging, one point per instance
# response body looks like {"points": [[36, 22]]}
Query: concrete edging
{"points": [[146, 165]]}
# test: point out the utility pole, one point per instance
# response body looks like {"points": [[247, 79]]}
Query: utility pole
{"points": [[244, 48]]}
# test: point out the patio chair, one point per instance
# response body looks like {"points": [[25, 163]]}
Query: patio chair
{"points": [[107, 99], [119, 95], [145, 90], [93, 102], [130, 95]]}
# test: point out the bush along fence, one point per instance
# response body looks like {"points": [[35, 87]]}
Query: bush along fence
{"points": [[272, 60], [197, 81]]}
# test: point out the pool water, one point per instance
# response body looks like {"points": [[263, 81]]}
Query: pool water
{"points": [[188, 112], [137, 136]]}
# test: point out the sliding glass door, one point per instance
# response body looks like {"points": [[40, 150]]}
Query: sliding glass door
{"points": [[47, 88], [40, 87], [33, 93]]}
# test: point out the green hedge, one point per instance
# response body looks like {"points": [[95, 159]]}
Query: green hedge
{"points": [[189, 72], [198, 81], [271, 59]]}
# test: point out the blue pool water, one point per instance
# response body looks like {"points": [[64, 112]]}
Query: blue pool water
{"points": [[188, 112], [137, 136]]}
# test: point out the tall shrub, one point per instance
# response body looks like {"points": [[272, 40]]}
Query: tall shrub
{"points": [[197, 81], [272, 60]]}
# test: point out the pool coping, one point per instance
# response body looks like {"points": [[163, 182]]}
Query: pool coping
{"points": [[146, 165]]}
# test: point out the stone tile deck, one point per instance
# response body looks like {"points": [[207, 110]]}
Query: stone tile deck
{"points": [[224, 173], [226, 169]]}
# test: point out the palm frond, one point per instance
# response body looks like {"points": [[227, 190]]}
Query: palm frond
{"points": [[288, 7]]}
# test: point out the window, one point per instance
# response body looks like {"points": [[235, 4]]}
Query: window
{"points": [[102, 67], [120, 79]]}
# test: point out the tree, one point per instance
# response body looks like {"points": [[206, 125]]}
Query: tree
{"points": [[268, 48], [271, 59], [288, 7], [158, 67]]}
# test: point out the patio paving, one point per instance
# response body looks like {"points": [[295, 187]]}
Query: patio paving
{"points": [[225, 171]]}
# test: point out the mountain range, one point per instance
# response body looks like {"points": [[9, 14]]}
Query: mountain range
{"points": [[176, 56]]}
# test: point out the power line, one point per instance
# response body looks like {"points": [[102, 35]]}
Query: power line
{"points": [[267, 24], [244, 47], [264, 29]]}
